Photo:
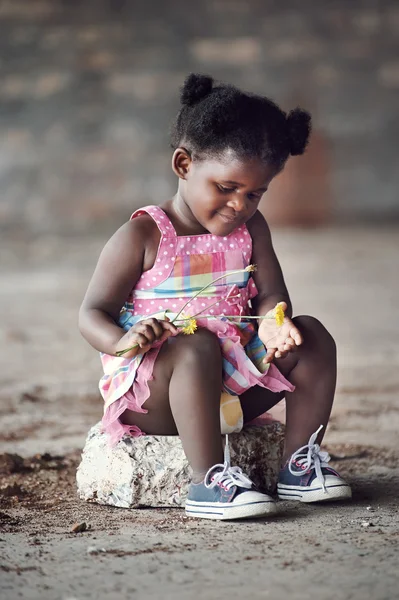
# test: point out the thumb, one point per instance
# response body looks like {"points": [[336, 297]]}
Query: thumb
{"points": [[269, 355], [168, 326], [165, 335]]}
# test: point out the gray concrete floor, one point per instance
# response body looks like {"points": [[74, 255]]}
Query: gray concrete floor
{"points": [[346, 277]]}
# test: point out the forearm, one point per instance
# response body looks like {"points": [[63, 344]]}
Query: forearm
{"points": [[262, 304], [100, 330]]}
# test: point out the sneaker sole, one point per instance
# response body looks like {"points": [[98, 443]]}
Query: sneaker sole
{"points": [[298, 494], [221, 512]]}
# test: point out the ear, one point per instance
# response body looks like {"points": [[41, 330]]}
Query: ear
{"points": [[181, 162]]}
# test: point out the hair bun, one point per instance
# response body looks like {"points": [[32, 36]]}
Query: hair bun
{"points": [[299, 128], [195, 88]]}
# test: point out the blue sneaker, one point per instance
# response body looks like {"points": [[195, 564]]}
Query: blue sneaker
{"points": [[306, 477], [227, 493]]}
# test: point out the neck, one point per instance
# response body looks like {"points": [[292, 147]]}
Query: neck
{"points": [[184, 216]]}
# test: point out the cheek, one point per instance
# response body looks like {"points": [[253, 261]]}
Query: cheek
{"points": [[254, 207], [203, 195], [196, 187]]}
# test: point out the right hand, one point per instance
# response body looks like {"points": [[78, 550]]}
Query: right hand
{"points": [[143, 335]]}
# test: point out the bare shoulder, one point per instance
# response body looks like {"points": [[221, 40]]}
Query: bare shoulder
{"points": [[142, 227], [134, 236], [144, 224], [120, 265]]}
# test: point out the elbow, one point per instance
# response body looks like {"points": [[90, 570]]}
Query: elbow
{"points": [[82, 320]]}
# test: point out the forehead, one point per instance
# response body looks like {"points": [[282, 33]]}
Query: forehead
{"points": [[250, 172]]}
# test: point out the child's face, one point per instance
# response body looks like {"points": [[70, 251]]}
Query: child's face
{"points": [[224, 193]]}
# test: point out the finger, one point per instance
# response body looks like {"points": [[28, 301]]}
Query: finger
{"points": [[169, 326], [166, 334], [269, 355], [147, 331], [145, 349], [149, 321], [142, 341], [152, 329], [289, 345], [155, 325], [296, 336]]}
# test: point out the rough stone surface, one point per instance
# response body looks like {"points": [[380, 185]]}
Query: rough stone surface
{"points": [[153, 470]]}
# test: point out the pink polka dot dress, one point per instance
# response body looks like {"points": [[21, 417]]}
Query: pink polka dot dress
{"points": [[183, 266]]}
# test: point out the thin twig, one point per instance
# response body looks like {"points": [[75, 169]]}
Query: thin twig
{"points": [[226, 316], [248, 269]]}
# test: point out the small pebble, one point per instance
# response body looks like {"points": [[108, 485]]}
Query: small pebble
{"points": [[78, 527], [95, 550], [367, 524]]}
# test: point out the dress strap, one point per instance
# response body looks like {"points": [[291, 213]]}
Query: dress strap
{"points": [[162, 220], [166, 254]]}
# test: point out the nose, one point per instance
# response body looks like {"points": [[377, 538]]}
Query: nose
{"points": [[237, 202]]}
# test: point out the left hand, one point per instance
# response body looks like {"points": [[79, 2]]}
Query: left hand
{"points": [[279, 340]]}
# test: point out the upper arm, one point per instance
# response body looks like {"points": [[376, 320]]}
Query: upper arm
{"points": [[119, 267], [268, 276]]}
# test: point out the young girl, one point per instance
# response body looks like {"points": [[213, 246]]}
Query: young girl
{"points": [[228, 146]]}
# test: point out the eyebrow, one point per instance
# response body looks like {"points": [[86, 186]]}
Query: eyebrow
{"points": [[241, 185]]}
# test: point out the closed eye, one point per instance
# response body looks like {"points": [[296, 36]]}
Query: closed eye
{"points": [[255, 196], [225, 190]]}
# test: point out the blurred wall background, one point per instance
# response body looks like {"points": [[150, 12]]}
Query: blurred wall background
{"points": [[88, 90]]}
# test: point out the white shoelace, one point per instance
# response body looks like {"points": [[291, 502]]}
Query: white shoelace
{"points": [[228, 476], [310, 457]]}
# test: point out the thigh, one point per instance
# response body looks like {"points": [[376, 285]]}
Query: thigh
{"points": [[195, 356], [158, 420]]}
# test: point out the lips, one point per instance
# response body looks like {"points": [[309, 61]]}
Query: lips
{"points": [[228, 218]]}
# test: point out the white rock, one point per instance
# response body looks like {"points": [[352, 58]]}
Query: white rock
{"points": [[367, 524], [153, 470], [95, 550]]}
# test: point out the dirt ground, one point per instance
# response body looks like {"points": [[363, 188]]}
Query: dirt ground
{"points": [[48, 401]]}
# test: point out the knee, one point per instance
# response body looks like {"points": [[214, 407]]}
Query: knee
{"points": [[202, 344], [313, 331]]}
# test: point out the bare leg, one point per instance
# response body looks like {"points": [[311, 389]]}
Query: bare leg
{"points": [[312, 369], [185, 399]]}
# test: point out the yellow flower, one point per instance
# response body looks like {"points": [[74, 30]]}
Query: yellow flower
{"points": [[279, 314], [190, 326], [251, 268]]}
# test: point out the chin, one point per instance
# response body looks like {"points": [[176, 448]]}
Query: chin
{"points": [[227, 228], [221, 228], [222, 231], [218, 226]]}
